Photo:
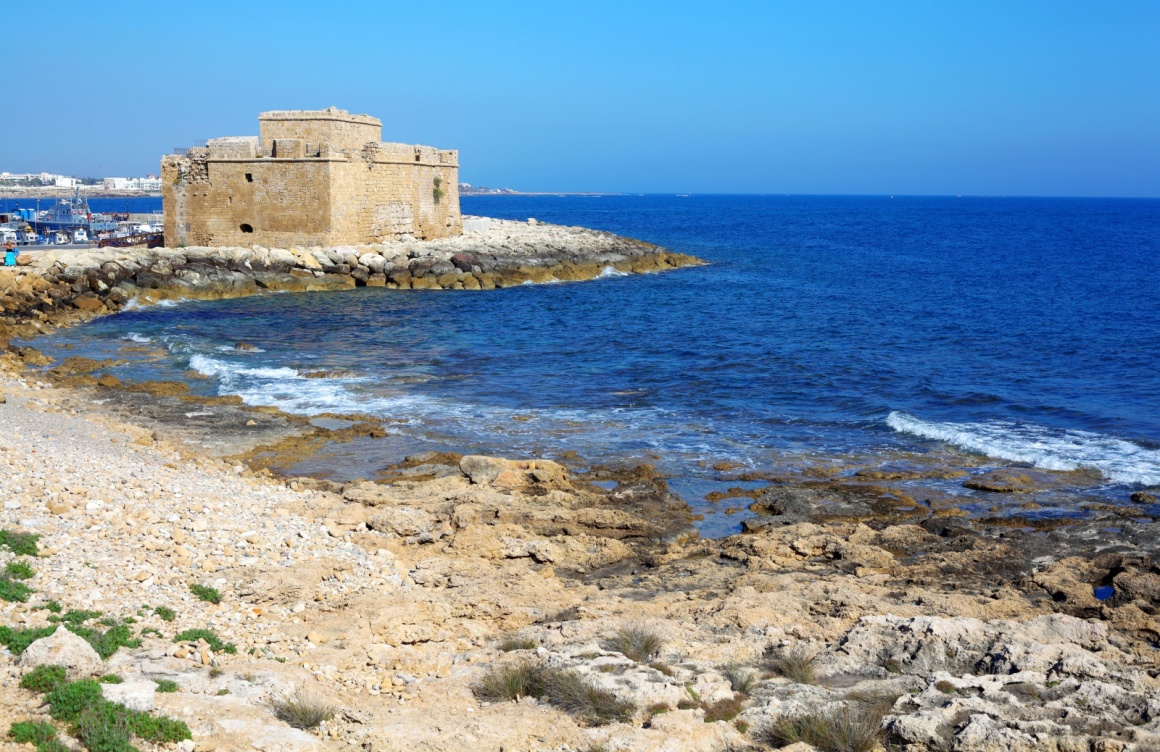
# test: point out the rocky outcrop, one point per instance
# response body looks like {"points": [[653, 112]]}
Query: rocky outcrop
{"points": [[56, 288], [62, 648]]}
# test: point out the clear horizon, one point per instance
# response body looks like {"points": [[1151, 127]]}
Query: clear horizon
{"points": [[1040, 99]]}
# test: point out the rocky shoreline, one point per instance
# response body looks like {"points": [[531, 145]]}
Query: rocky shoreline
{"points": [[60, 288], [480, 603]]}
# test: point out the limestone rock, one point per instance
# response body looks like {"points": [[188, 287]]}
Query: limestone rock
{"points": [[62, 648], [135, 695]]}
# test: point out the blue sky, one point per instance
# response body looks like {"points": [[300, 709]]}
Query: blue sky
{"points": [[1013, 98]]}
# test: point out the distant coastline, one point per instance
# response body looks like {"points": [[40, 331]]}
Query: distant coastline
{"points": [[53, 191]]}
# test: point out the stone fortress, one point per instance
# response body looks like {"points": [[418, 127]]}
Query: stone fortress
{"points": [[310, 178]]}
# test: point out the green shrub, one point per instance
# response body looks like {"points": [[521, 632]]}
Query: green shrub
{"points": [[68, 701], [110, 679], [53, 606], [849, 729], [638, 642], [13, 591], [165, 685], [19, 570], [150, 631], [21, 544], [106, 642], [300, 710], [215, 642], [205, 593], [32, 732], [166, 613], [106, 726], [794, 663], [44, 679], [74, 618], [17, 640]]}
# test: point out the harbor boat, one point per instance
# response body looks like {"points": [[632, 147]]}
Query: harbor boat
{"points": [[69, 214]]}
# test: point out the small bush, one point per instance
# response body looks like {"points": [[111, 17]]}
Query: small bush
{"points": [[946, 687], [849, 729], [205, 593], [166, 613], [301, 710], [510, 682], [106, 726], [892, 666], [107, 642], [657, 709], [569, 691], [741, 678], [165, 685], [44, 679], [794, 663], [565, 689], [664, 668], [111, 679], [21, 544], [17, 640], [215, 672], [724, 710], [515, 642], [75, 618], [13, 591], [53, 606], [215, 643], [147, 631], [638, 642], [19, 570], [32, 732]]}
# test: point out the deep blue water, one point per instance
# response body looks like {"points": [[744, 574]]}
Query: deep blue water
{"points": [[1023, 329]]}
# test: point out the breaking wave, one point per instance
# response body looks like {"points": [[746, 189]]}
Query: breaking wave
{"points": [[610, 271], [1046, 448]]}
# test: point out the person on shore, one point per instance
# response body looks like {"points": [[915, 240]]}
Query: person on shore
{"points": [[10, 254]]}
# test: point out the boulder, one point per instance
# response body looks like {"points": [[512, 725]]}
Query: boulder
{"points": [[135, 695], [62, 648]]}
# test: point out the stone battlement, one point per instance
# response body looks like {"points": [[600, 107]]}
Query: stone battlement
{"points": [[311, 177]]}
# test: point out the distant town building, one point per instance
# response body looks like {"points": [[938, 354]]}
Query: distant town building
{"points": [[151, 183], [38, 178], [311, 177]]}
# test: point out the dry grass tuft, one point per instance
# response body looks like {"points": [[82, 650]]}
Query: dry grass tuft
{"points": [[516, 642], [638, 642], [847, 729], [741, 678], [300, 710], [563, 688], [794, 663]]}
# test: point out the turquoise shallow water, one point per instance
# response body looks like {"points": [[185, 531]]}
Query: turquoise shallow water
{"points": [[1020, 330]]}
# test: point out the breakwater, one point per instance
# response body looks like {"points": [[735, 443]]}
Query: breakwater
{"points": [[60, 288]]}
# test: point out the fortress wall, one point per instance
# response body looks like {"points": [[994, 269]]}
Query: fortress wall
{"points": [[381, 200], [282, 202]]}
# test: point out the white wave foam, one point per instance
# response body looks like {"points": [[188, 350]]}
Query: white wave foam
{"points": [[1048, 449], [132, 305], [139, 338], [208, 366], [610, 271], [167, 303]]}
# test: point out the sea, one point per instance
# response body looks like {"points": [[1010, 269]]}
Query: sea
{"points": [[823, 329]]}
